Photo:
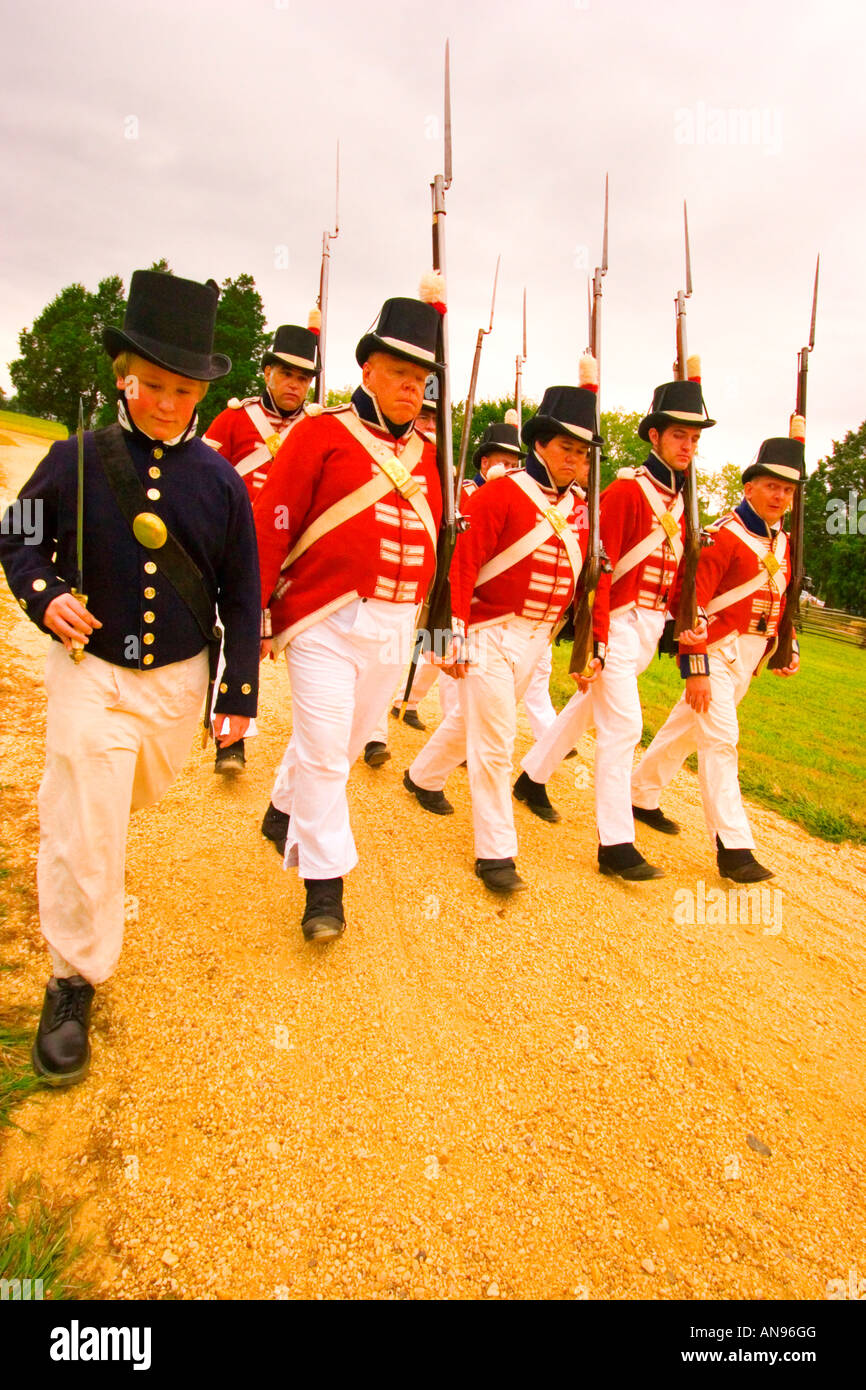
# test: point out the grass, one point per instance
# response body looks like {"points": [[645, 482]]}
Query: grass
{"points": [[17, 1078], [30, 424], [36, 1243], [800, 748]]}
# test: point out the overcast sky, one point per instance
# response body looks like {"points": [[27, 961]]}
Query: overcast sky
{"points": [[205, 131]]}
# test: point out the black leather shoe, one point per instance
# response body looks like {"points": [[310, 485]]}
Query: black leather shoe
{"points": [[437, 802], [626, 862], [275, 827], [375, 754], [410, 718], [657, 819], [536, 798], [61, 1052], [323, 918], [232, 760], [499, 875], [741, 865]]}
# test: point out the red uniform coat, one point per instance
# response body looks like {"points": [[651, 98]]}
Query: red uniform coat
{"points": [[383, 552], [234, 435], [625, 517], [541, 586], [725, 564]]}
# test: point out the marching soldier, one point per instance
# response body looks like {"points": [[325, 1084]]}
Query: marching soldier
{"points": [[159, 531], [347, 525], [741, 582], [642, 530], [514, 575], [249, 433]]}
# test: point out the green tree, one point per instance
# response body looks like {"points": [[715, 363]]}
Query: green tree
{"points": [[62, 357], [484, 413], [342, 396], [623, 447], [834, 524], [241, 334]]}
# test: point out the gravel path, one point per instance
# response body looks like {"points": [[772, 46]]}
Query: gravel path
{"points": [[579, 1093]]}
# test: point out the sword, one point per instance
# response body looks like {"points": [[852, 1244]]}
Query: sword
{"points": [[77, 650]]}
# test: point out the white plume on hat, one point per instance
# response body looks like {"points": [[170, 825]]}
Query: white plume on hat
{"points": [[587, 372], [432, 289], [511, 417]]}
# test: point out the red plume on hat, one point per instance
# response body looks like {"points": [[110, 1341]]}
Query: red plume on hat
{"points": [[432, 290]]}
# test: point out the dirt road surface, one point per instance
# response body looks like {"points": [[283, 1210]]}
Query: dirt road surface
{"points": [[577, 1093]]}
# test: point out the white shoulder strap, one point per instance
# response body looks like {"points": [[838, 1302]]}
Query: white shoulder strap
{"points": [[667, 528], [554, 521], [771, 569]]}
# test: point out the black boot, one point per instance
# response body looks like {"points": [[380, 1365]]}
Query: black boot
{"points": [[375, 753], [323, 915], [657, 819], [61, 1052], [230, 760], [275, 827], [411, 718], [437, 802], [536, 798], [626, 862], [499, 875], [740, 865]]}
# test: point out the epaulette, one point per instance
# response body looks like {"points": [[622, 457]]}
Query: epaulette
{"points": [[312, 408], [713, 526], [236, 404], [429, 435], [626, 472]]}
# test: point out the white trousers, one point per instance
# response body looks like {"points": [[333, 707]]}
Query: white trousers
{"points": [[425, 679], [612, 703], [342, 671], [536, 700], [715, 736], [481, 729], [115, 741]]}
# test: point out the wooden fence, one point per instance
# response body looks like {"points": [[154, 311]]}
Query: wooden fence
{"points": [[832, 622]]}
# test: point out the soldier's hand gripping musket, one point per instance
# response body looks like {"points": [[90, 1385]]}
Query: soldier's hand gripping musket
{"points": [[783, 655]]}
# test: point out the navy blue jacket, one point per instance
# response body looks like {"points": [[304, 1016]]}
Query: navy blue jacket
{"points": [[202, 501]]}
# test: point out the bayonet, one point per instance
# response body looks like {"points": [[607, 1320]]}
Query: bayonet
{"points": [[319, 393], [470, 398], [518, 376], [687, 611]]}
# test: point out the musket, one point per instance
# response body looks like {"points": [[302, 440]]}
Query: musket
{"points": [[435, 622], [687, 609], [319, 394], [439, 616], [582, 647], [77, 649], [781, 657], [470, 398], [518, 377]]}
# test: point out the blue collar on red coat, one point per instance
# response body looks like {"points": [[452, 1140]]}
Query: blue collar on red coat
{"points": [[479, 480], [270, 404], [537, 470], [668, 477], [754, 523], [368, 409]]}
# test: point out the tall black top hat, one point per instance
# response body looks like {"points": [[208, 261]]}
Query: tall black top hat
{"points": [[294, 346], [566, 410], [780, 458], [676, 403], [170, 321], [407, 328], [498, 438]]}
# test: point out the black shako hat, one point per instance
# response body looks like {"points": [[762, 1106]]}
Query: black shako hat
{"points": [[498, 438], [294, 346], [407, 328], [171, 322], [675, 403], [566, 410], [779, 458]]}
